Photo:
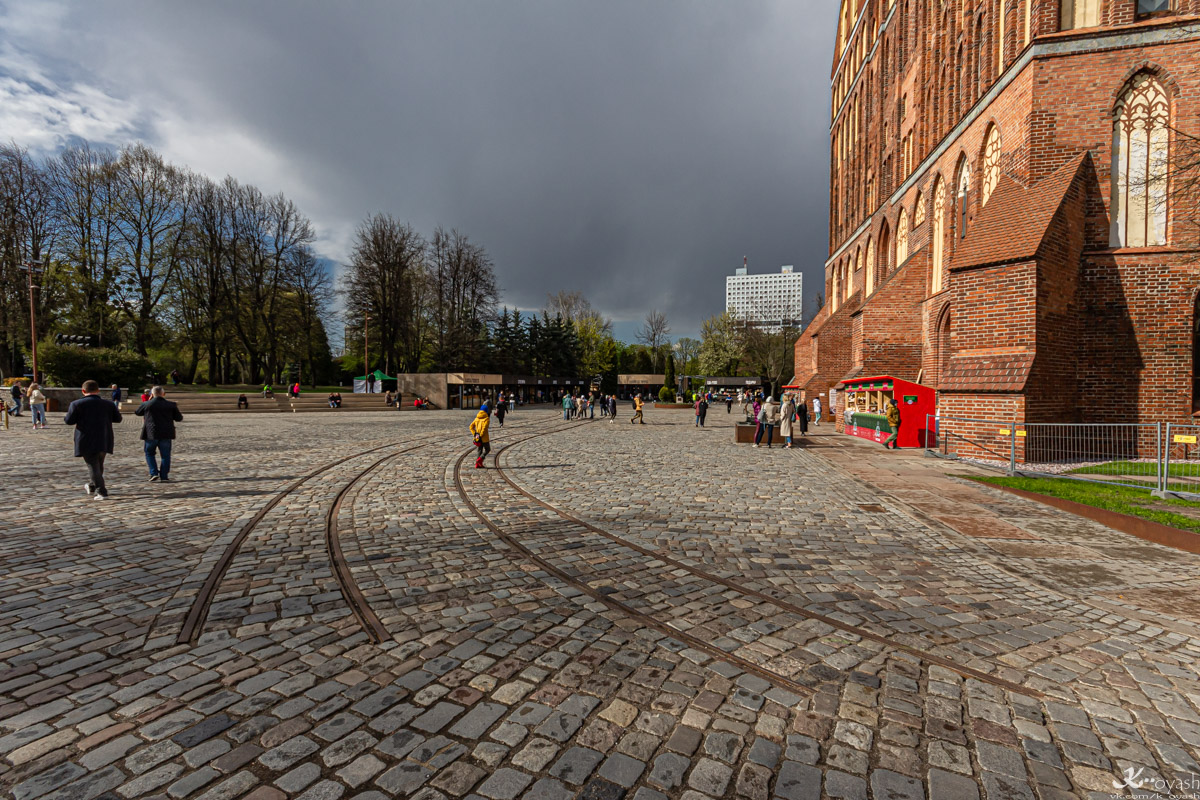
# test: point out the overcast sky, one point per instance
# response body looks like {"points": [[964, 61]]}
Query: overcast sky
{"points": [[634, 150]]}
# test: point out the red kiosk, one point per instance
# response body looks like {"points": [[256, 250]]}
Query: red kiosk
{"points": [[866, 409]]}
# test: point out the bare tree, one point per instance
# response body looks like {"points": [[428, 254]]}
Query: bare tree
{"points": [[463, 298], [687, 350], [654, 335], [386, 277]]}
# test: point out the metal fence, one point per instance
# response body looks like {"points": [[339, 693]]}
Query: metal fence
{"points": [[1160, 457], [1181, 459]]}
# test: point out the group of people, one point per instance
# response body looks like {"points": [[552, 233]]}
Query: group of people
{"points": [[583, 406], [35, 398], [335, 399], [790, 415], [93, 418]]}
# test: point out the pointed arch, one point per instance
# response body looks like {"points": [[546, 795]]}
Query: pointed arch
{"points": [[991, 164], [937, 235], [919, 210], [901, 239], [962, 194], [885, 252], [869, 275], [1141, 157], [941, 342]]}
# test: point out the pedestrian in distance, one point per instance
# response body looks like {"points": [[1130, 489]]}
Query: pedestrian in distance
{"points": [[243, 402], [159, 416], [787, 413], [399, 400], [612, 408], [728, 404], [701, 410], [37, 406], [802, 417], [501, 410], [893, 418], [116, 395], [93, 418], [637, 411], [568, 407], [17, 394], [817, 411], [479, 435], [767, 417]]}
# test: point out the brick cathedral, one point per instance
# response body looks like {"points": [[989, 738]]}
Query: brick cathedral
{"points": [[1009, 216]]}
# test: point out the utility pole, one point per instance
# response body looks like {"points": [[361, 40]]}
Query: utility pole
{"points": [[366, 352], [29, 267]]}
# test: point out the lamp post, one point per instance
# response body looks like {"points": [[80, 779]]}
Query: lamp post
{"points": [[366, 351], [29, 267]]}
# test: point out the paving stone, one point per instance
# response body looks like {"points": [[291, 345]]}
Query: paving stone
{"points": [[621, 769], [710, 777], [576, 765], [504, 784], [798, 781], [893, 786], [950, 786]]}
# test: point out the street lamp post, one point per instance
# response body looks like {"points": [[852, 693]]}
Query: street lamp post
{"points": [[366, 350], [29, 268]]}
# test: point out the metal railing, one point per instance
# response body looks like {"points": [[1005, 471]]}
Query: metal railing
{"points": [[1122, 454], [1181, 459], [1136, 455]]}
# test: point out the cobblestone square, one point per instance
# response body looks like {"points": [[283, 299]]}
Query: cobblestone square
{"points": [[328, 606]]}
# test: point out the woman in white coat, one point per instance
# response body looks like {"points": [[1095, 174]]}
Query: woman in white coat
{"points": [[787, 411]]}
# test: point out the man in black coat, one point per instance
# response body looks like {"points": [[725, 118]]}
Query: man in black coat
{"points": [[158, 432], [93, 418]]}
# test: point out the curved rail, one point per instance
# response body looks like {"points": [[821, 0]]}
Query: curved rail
{"points": [[666, 558]]}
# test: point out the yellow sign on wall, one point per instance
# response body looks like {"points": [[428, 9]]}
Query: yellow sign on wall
{"points": [[1181, 439]]}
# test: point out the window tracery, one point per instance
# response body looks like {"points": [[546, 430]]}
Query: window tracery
{"points": [[870, 275], [1140, 163], [901, 238], [919, 211], [938, 234], [991, 164]]}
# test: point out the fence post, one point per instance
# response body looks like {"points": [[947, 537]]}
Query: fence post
{"points": [[1012, 451], [1164, 458]]}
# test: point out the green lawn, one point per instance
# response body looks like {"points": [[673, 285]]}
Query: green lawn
{"points": [[1136, 468], [1122, 499]]}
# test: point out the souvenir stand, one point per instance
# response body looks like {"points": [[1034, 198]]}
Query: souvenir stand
{"points": [[866, 409]]}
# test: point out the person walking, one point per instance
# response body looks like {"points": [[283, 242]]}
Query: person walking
{"points": [[501, 410], [728, 404], [93, 418], [701, 410], [17, 394], [568, 406], [37, 406], [893, 418], [116, 395], [787, 413], [817, 411], [612, 408], [479, 435], [159, 416], [637, 411]]}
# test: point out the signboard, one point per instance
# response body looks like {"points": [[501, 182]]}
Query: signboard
{"points": [[1181, 439]]}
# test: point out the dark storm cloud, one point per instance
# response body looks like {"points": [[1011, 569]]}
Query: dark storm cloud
{"points": [[632, 150]]}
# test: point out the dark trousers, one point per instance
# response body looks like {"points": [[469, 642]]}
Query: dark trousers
{"points": [[891, 440], [95, 463], [483, 448], [163, 446], [764, 428]]}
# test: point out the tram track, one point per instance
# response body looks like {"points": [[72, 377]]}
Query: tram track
{"points": [[674, 564], [370, 623]]}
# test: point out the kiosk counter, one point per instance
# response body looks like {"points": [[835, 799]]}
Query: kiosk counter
{"points": [[866, 409]]}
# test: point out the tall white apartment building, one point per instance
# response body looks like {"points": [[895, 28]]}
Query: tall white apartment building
{"points": [[769, 301]]}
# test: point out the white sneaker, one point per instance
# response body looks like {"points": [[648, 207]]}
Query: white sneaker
{"points": [[756, 445], [99, 497], [87, 487]]}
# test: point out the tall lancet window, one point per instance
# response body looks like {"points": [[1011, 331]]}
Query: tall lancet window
{"points": [[991, 164], [1140, 163]]}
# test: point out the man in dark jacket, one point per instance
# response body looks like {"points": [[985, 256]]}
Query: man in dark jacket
{"points": [[93, 418], [158, 432]]}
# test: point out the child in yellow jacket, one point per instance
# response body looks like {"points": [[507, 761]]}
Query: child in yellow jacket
{"points": [[479, 433]]}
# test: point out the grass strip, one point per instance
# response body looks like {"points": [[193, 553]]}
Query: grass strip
{"points": [[1121, 499]]}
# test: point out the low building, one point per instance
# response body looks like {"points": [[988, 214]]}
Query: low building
{"points": [[472, 389]]}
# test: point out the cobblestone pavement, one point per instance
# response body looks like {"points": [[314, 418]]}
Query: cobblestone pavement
{"points": [[614, 612]]}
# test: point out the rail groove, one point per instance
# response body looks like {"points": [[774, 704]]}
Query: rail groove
{"points": [[931, 658]]}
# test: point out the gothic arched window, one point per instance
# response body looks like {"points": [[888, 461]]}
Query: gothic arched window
{"points": [[919, 211], [962, 192], [901, 238], [1140, 162], [1196, 357], [938, 234], [885, 244], [991, 164], [869, 278]]}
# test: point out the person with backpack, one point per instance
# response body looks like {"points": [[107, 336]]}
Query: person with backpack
{"points": [[766, 422], [93, 418], [159, 416], [479, 435], [637, 411]]}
